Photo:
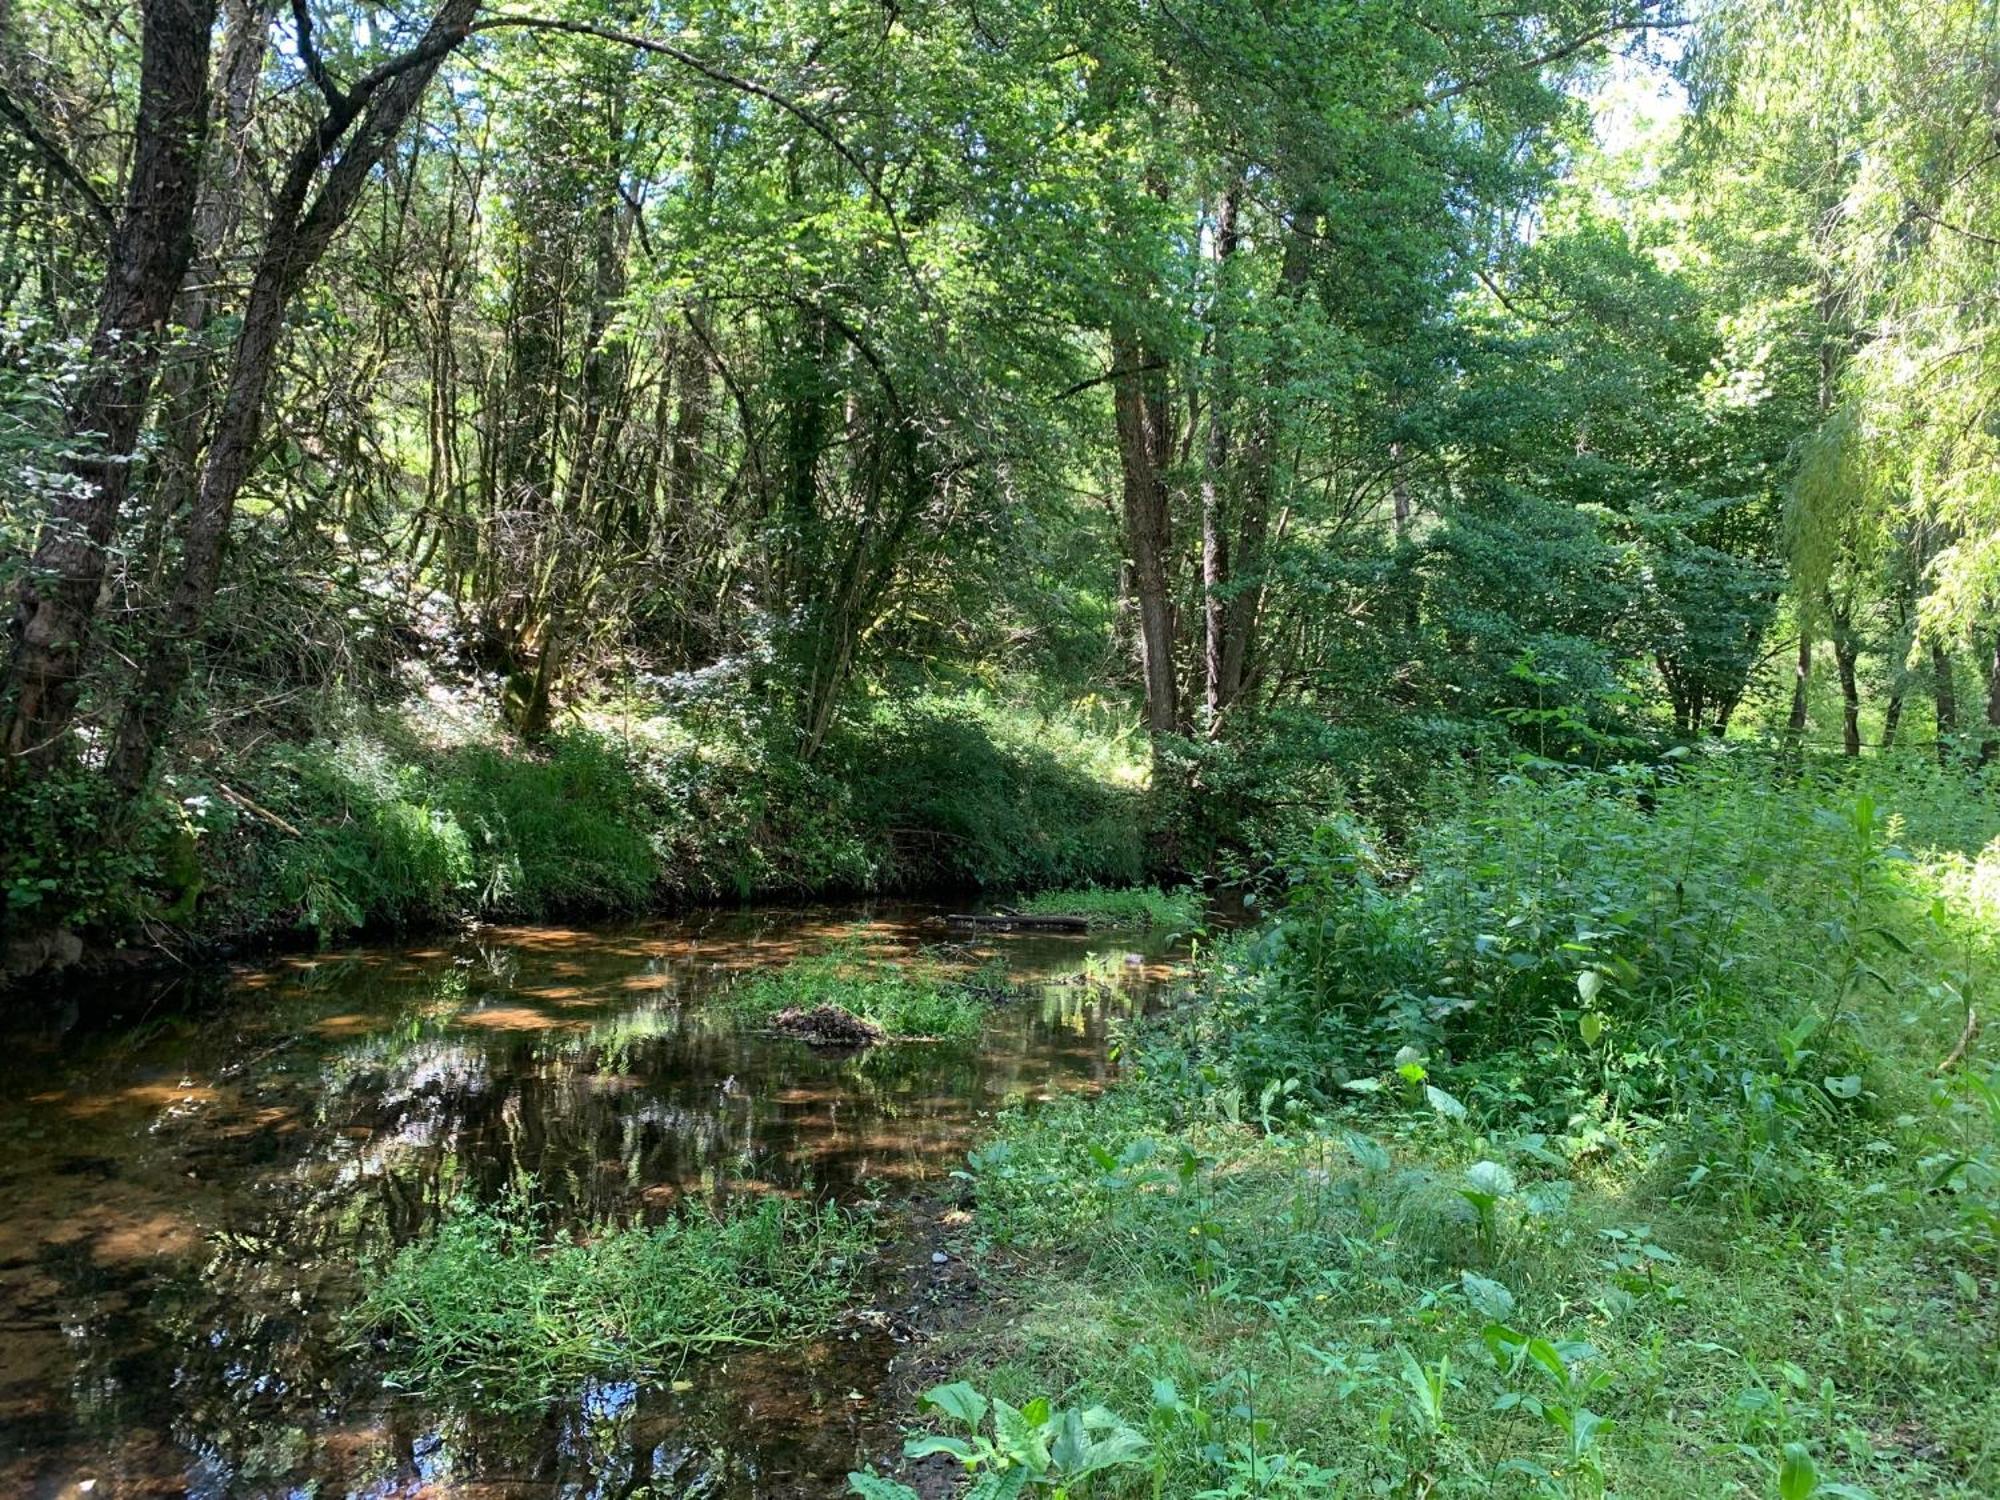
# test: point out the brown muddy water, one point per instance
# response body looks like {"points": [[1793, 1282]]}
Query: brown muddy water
{"points": [[188, 1180]]}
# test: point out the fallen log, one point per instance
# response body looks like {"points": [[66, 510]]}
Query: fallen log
{"points": [[1002, 921]]}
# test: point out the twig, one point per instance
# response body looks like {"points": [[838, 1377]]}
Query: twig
{"points": [[252, 808], [16, 115], [1965, 1041]]}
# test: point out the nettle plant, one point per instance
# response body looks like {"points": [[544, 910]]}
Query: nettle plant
{"points": [[1031, 1450], [1568, 1379]]}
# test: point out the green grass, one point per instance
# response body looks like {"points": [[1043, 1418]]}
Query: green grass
{"points": [[1136, 907], [913, 998], [1405, 1204], [492, 1309]]}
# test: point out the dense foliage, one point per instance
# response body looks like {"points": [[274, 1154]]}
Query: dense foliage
{"points": [[943, 428]]}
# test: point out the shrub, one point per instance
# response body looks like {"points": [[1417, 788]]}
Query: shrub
{"points": [[560, 832], [967, 793]]}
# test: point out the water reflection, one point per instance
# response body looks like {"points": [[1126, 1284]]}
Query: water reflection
{"points": [[184, 1187]]}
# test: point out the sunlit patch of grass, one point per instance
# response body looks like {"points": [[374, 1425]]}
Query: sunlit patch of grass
{"points": [[1137, 907], [1222, 1288], [492, 1307], [907, 999]]}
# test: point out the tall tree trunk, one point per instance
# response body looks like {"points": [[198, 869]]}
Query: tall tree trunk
{"points": [[1215, 477], [1892, 719], [1989, 744], [149, 255], [1724, 712], [1259, 483], [1140, 404], [1946, 691], [1846, 652], [1399, 494], [190, 386], [1795, 722], [367, 119]]}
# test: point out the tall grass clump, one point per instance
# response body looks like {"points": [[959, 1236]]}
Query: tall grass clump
{"points": [[1138, 908], [970, 792], [909, 998], [372, 843], [492, 1307], [563, 830]]}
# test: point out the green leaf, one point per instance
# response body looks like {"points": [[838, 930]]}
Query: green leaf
{"points": [[1490, 1179], [929, 1443], [1545, 1354], [1368, 1153], [1124, 1446], [872, 1486], [1071, 1443], [1487, 1296], [998, 1484], [957, 1400], [1798, 1476], [1443, 1103], [1019, 1438]]}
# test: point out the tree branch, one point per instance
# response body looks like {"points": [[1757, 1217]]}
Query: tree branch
{"points": [[1118, 374], [24, 126], [1562, 52], [309, 55], [811, 119]]}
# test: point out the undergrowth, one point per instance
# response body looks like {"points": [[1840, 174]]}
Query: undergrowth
{"points": [[1629, 1138], [398, 820]]}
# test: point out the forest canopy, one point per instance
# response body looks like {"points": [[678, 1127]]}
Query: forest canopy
{"points": [[1199, 412]]}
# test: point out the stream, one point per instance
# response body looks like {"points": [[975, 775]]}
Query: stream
{"points": [[189, 1176]]}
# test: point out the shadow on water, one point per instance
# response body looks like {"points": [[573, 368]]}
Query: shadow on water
{"points": [[186, 1187]]}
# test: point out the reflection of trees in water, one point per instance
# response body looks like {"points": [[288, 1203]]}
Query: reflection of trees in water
{"points": [[589, 1076]]}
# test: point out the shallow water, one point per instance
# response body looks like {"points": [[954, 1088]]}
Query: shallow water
{"points": [[187, 1180]]}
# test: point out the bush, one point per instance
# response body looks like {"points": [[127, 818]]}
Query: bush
{"points": [[965, 793], [561, 832], [1589, 951], [67, 861]]}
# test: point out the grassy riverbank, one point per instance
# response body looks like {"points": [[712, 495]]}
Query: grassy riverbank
{"points": [[415, 819], [1631, 1138]]}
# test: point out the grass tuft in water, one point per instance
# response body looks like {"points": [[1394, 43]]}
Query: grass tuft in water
{"points": [[1146, 907], [908, 999], [494, 1308]]}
